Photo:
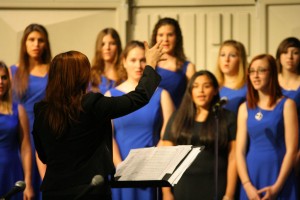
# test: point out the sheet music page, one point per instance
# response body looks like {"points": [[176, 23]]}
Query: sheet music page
{"points": [[151, 163], [184, 165]]}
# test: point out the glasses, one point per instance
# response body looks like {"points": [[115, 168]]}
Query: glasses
{"points": [[258, 71]]}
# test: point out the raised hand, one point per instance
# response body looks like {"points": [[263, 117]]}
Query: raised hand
{"points": [[154, 54]]}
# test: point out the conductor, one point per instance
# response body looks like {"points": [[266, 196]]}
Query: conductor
{"points": [[72, 128]]}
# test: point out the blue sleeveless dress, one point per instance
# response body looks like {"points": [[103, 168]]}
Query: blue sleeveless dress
{"points": [[174, 82], [235, 97], [295, 95], [36, 91], [137, 130], [266, 151], [106, 84], [11, 169]]}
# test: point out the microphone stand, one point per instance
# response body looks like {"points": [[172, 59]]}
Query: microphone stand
{"points": [[216, 110]]}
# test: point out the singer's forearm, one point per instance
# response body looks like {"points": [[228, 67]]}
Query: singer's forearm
{"points": [[25, 146], [231, 172], [117, 159], [26, 158], [41, 166], [167, 193]]}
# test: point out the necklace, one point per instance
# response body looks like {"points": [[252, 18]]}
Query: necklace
{"points": [[259, 115]]}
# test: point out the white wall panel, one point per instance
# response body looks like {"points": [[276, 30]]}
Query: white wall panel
{"points": [[188, 26], [72, 24], [200, 37], [227, 31], [259, 24], [283, 21], [203, 28], [68, 29], [241, 30]]}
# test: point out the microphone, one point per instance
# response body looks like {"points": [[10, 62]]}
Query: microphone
{"points": [[18, 187], [97, 180], [220, 103]]}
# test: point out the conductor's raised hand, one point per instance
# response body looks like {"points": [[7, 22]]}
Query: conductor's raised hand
{"points": [[154, 54]]}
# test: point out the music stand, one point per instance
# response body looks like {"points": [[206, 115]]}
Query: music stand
{"points": [[138, 184]]}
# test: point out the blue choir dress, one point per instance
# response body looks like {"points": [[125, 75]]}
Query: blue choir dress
{"points": [[266, 151], [174, 82], [295, 95], [106, 84], [11, 169], [36, 91], [235, 97], [137, 130]]}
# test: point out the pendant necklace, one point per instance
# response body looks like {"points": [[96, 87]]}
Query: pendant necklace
{"points": [[259, 115]]}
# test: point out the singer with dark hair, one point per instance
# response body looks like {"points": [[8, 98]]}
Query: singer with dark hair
{"points": [[15, 148], [194, 124], [176, 70], [267, 136], [72, 128], [29, 77], [288, 65]]}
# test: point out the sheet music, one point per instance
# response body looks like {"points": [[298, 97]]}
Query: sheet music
{"points": [[184, 165], [151, 163]]}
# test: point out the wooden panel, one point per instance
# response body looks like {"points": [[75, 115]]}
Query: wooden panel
{"points": [[227, 26], [283, 21], [203, 29], [68, 29], [108, 4], [242, 29], [153, 20], [215, 28], [200, 38], [192, 2], [141, 30], [187, 24], [213, 39]]}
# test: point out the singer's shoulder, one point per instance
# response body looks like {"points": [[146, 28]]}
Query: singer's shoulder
{"points": [[243, 107]]}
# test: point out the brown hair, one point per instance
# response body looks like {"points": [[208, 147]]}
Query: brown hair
{"points": [[282, 48], [273, 86], [68, 80], [130, 45], [98, 62], [6, 100], [20, 79], [178, 49], [242, 63]]}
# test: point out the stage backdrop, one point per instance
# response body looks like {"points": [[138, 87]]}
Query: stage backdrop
{"points": [[74, 24]]}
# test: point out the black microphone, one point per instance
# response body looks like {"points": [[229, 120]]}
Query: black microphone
{"points": [[220, 103], [97, 180], [18, 187]]}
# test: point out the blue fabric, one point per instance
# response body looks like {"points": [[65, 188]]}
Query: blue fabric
{"points": [[295, 95], [36, 91], [266, 151], [10, 162], [235, 97], [106, 84], [174, 82], [137, 130]]}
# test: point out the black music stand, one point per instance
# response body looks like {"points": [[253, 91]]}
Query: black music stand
{"points": [[137, 184]]}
